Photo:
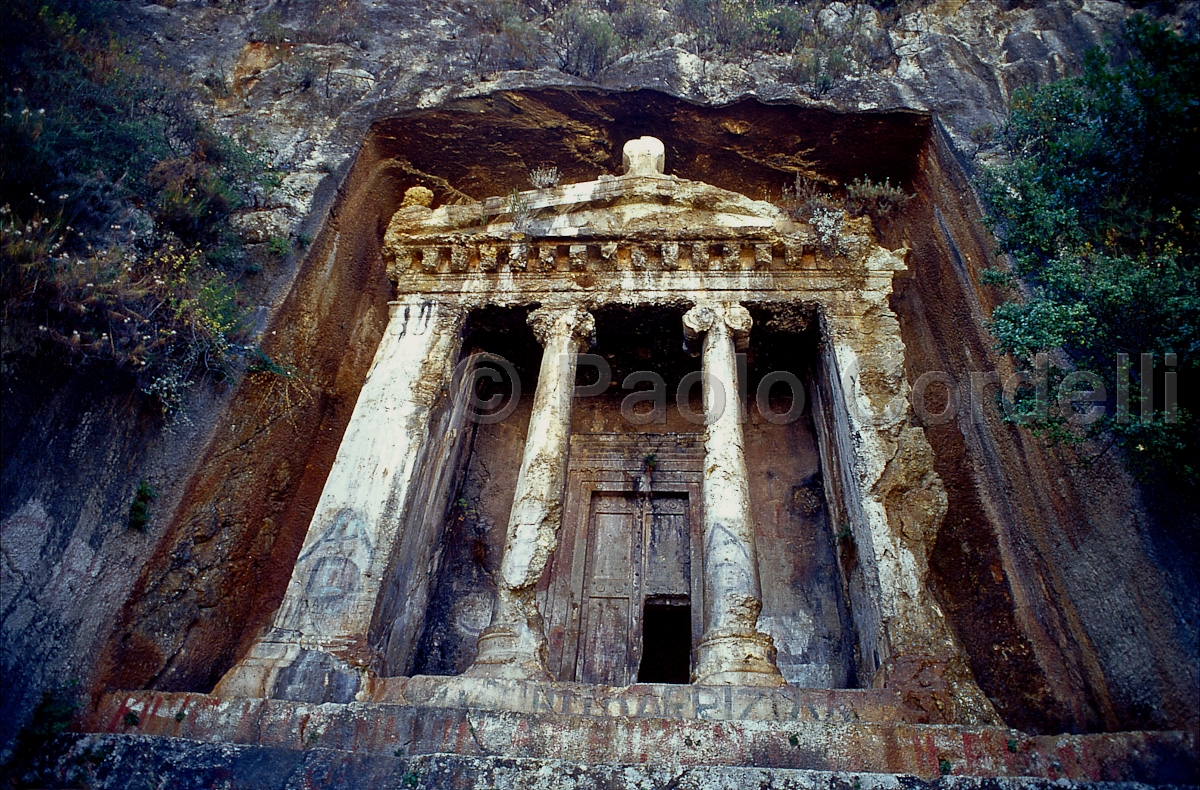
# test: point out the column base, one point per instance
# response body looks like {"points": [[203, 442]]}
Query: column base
{"points": [[282, 670], [510, 652], [736, 657]]}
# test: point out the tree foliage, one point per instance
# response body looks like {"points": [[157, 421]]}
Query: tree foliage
{"points": [[1099, 207]]}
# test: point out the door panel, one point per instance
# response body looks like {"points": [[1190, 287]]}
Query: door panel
{"points": [[609, 585], [669, 552], [604, 657], [610, 545]]}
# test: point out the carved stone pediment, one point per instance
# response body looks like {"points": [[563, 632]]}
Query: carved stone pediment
{"points": [[612, 206], [638, 222]]}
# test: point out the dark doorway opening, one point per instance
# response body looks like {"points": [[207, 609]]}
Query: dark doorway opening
{"points": [[666, 642]]}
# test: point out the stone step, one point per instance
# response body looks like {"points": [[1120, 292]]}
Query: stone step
{"points": [[406, 730], [117, 762]]}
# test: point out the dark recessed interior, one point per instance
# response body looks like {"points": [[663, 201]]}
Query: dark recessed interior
{"points": [[666, 642], [641, 339]]}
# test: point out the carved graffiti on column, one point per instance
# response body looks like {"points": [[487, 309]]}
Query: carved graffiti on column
{"points": [[332, 566]]}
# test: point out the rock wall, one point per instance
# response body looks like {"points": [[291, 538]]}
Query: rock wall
{"points": [[1097, 618], [1068, 591]]}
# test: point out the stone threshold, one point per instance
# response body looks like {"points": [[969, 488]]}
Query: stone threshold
{"points": [[398, 730]]}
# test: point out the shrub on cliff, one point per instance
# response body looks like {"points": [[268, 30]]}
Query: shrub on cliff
{"points": [[585, 40], [114, 198], [1099, 207]]}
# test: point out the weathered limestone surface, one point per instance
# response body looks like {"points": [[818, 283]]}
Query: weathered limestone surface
{"points": [[645, 156], [514, 645], [136, 758], [623, 249], [732, 650], [318, 640], [879, 466], [644, 742]]}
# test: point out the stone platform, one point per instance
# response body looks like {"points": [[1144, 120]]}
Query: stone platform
{"points": [[833, 739], [117, 762]]}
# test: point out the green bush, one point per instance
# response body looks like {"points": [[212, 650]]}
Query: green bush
{"points": [[878, 201], [270, 29], [502, 36], [279, 246], [1099, 207], [51, 717], [492, 16], [780, 28], [139, 508], [638, 24], [585, 40]]}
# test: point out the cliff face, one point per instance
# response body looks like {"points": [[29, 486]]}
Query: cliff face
{"points": [[1075, 607], [309, 104]]}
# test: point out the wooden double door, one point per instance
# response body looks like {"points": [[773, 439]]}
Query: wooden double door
{"points": [[628, 553]]}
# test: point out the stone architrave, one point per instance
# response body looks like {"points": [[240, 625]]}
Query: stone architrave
{"points": [[732, 650], [316, 648], [514, 645]]}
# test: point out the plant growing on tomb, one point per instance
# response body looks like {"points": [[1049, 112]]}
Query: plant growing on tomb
{"points": [[544, 176], [876, 200], [807, 200], [806, 195], [519, 210], [827, 224]]}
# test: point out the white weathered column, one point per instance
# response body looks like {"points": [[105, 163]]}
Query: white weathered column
{"points": [[514, 645], [317, 645], [732, 650]]}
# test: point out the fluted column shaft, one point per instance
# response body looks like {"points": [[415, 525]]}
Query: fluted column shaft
{"points": [[514, 645], [732, 651]]}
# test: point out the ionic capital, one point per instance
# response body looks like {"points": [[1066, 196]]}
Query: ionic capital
{"points": [[574, 323], [731, 316]]}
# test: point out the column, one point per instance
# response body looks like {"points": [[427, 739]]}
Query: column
{"points": [[732, 651], [317, 647], [514, 645]]}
